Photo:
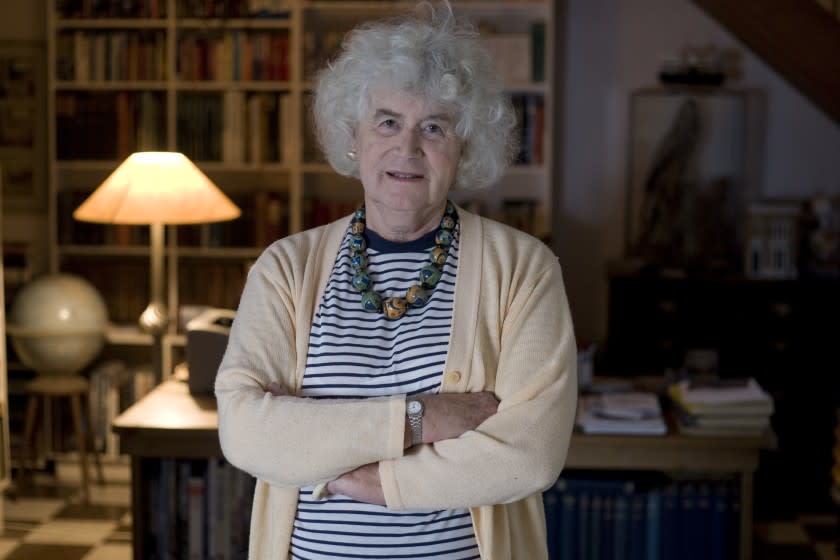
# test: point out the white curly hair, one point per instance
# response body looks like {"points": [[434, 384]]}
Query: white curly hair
{"points": [[425, 53]]}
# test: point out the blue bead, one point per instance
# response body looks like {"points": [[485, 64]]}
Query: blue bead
{"points": [[358, 260], [443, 238], [371, 301], [361, 281], [357, 243], [359, 214], [429, 275]]}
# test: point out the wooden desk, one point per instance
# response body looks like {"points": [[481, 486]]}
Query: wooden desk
{"points": [[169, 422]]}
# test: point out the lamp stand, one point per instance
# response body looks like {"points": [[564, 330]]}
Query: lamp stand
{"points": [[154, 318]]}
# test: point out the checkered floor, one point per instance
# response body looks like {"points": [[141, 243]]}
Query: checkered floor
{"points": [[809, 537], [46, 520]]}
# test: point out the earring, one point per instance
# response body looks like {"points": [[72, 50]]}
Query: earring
{"points": [[351, 155]]}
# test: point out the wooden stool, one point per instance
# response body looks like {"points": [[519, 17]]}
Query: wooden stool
{"points": [[76, 388]]}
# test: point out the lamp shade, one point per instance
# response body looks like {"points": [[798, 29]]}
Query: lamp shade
{"points": [[157, 188]]}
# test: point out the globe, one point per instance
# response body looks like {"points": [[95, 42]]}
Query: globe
{"points": [[57, 324]]}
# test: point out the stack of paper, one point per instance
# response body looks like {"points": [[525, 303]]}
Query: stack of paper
{"points": [[730, 407], [632, 413]]}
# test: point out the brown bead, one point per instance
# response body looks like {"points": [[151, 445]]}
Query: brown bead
{"points": [[439, 256], [394, 307], [357, 228]]}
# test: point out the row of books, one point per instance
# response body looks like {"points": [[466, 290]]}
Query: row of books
{"points": [[157, 8], [111, 278], [235, 127], [530, 114], [108, 125], [629, 519], [259, 120], [203, 282], [264, 219], [231, 8], [114, 386], [111, 8], [196, 510], [214, 283], [233, 55], [108, 56]]}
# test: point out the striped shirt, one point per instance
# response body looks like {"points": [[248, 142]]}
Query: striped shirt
{"points": [[356, 354]]}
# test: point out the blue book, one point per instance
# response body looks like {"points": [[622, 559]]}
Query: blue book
{"points": [[583, 548], [596, 519], [636, 533], [621, 526], [653, 525], [568, 525], [718, 518], [703, 521], [733, 524], [591, 494], [670, 523], [607, 525]]}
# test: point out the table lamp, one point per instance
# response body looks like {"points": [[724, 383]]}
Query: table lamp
{"points": [[157, 189]]}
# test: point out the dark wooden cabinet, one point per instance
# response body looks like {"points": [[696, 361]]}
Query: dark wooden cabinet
{"points": [[783, 333]]}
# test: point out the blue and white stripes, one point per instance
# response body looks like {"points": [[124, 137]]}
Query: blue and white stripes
{"points": [[357, 354]]}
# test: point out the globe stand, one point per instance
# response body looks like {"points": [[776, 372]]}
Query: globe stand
{"points": [[76, 389]]}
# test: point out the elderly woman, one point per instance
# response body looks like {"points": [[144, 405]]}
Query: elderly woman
{"points": [[402, 382]]}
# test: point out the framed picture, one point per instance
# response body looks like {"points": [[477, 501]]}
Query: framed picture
{"points": [[22, 125], [693, 166]]}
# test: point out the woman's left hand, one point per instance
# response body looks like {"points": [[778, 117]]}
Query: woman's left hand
{"points": [[361, 484]]}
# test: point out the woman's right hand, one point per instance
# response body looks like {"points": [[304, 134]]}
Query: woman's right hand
{"points": [[448, 415]]}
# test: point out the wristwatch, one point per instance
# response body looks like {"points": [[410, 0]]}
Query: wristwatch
{"points": [[414, 410]]}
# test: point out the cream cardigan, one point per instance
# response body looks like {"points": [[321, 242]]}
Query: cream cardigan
{"points": [[511, 334]]}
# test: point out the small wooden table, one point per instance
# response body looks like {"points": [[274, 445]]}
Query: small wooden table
{"points": [[169, 422]]}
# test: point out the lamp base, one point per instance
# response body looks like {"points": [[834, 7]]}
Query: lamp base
{"points": [[154, 318]]}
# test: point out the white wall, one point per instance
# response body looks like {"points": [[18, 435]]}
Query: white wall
{"points": [[612, 47]]}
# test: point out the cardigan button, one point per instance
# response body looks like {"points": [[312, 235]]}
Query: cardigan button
{"points": [[453, 377]]}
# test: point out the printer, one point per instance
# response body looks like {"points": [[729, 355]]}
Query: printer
{"points": [[207, 338]]}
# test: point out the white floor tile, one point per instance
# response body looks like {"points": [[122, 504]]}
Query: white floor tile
{"points": [[32, 509], [109, 552], [7, 545]]}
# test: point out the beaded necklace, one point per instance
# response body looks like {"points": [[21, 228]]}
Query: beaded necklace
{"points": [[418, 294]]}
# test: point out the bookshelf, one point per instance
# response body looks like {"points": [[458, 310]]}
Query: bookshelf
{"points": [[229, 85]]}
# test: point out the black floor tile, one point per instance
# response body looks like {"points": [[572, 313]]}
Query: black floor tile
{"points": [[48, 551]]}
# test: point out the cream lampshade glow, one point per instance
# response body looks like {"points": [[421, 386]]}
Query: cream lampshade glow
{"points": [[158, 189]]}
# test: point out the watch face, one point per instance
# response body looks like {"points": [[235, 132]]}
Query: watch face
{"points": [[414, 407]]}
